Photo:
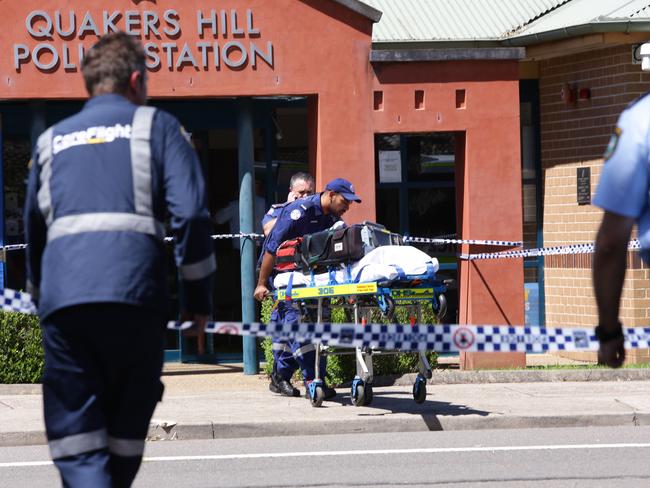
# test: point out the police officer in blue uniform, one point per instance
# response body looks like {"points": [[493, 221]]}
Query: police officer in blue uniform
{"points": [[301, 185], [623, 193], [304, 216], [99, 189]]}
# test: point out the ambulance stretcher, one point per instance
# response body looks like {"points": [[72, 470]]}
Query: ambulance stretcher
{"points": [[386, 278]]}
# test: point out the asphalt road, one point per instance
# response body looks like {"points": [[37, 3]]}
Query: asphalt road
{"points": [[577, 457]]}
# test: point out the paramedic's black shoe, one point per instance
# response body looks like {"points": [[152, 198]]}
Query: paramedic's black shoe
{"points": [[286, 389]]}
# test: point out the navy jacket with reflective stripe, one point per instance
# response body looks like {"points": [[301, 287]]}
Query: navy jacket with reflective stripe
{"points": [[102, 183]]}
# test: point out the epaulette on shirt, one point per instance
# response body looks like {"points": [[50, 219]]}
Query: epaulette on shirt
{"points": [[279, 205]]}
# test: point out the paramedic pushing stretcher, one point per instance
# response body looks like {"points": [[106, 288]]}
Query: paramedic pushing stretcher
{"points": [[100, 186], [305, 216]]}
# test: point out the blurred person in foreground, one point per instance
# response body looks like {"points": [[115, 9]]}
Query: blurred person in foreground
{"points": [[623, 195], [101, 184]]}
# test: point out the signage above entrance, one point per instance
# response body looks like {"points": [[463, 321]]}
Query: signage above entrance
{"points": [[198, 48], [229, 39]]}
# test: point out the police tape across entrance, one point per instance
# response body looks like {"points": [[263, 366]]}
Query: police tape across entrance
{"points": [[441, 338], [434, 337]]}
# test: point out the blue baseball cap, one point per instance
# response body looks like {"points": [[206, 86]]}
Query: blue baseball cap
{"points": [[344, 187]]}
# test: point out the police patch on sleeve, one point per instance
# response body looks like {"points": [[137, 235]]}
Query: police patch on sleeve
{"points": [[295, 214], [613, 142]]}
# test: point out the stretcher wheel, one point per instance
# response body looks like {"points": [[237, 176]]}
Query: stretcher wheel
{"points": [[390, 307], [360, 397], [442, 307], [316, 398], [420, 389], [358, 392], [368, 395]]}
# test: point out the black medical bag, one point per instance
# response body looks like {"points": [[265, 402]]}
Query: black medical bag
{"points": [[344, 245]]}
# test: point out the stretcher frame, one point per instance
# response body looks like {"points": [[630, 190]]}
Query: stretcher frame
{"points": [[363, 298]]}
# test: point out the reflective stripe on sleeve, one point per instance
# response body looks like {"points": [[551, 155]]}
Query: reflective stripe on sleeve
{"points": [[200, 269], [44, 148], [141, 159], [104, 222], [126, 447], [78, 444]]}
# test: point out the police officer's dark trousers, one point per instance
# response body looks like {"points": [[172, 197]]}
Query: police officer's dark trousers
{"points": [[101, 385]]}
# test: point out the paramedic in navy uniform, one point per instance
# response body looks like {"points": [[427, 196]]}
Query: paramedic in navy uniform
{"points": [[304, 216], [99, 189], [623, 195], [301, 185]]}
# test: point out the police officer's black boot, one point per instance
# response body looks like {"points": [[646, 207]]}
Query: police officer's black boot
{"points": [[286, 388]]}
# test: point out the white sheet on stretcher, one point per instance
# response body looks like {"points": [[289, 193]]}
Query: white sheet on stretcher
{"points": [[378, 265]]}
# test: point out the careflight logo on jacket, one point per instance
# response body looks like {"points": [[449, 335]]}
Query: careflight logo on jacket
{"points": [[92, 135]]}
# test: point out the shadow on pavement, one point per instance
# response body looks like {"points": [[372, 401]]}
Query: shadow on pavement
{"points": [[176, 369], [387, 403]]}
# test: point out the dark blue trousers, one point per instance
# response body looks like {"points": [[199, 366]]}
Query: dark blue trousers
{"points": [[101, 385], [289, 355]]}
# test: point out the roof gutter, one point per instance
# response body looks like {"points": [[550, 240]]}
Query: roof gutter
{"points": [[579, 30], [362, 9], [449, 54]]}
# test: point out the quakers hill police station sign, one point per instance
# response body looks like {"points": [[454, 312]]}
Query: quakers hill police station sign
{"points": [[228, 39]]}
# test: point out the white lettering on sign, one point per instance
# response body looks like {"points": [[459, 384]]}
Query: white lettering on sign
{"points": [[229, 39]]}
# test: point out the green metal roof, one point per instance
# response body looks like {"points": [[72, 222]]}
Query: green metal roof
{"points": [[579, 17], [455, 20], [505, 22]]}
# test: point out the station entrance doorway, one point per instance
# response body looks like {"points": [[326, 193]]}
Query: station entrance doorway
{"points": [[280, 149], [417, 176]]}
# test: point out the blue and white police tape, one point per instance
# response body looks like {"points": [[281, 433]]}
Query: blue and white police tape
{"points": [[16, 301], [544, 251], [13, 247], [254, 236], [228, 236], [480, 242], [437, 337]]}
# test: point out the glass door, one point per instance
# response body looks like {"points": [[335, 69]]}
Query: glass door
{"points": [[416, 193]]}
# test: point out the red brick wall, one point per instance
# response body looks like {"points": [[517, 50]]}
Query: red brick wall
{"points": [[579, 131], [575, 134]]}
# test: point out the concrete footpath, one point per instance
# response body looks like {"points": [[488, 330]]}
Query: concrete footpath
{"points": [[220, 402]]}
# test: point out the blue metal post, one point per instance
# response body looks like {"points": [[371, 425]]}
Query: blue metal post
{"points": [[269, 151], [3, 268], [246, 216]]}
